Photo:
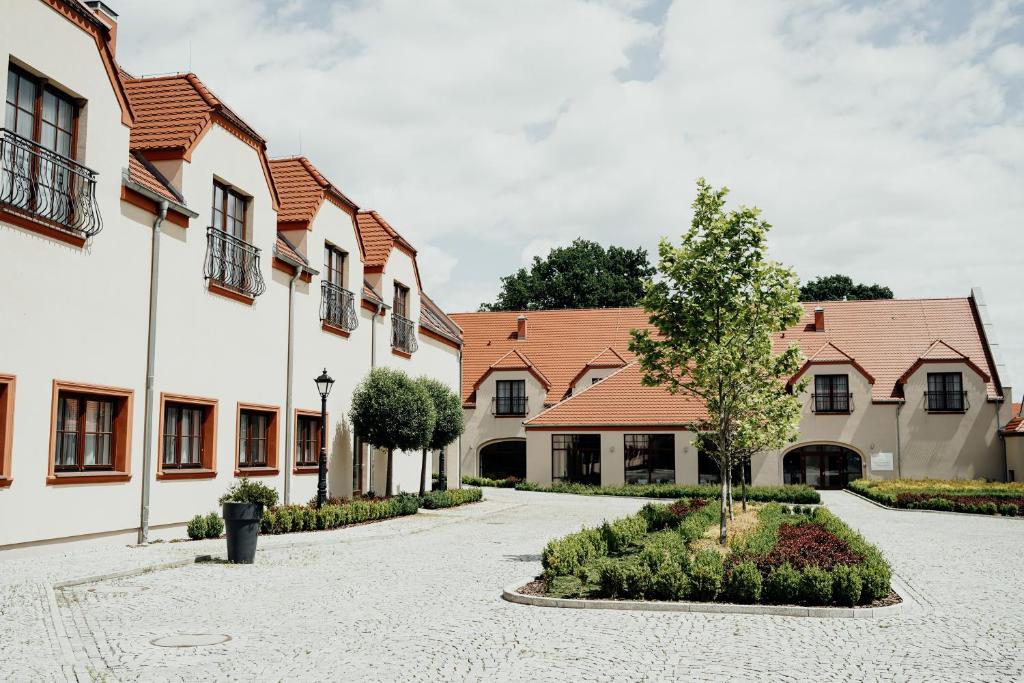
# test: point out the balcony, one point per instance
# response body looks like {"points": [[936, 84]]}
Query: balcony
{"points": [[46, 187], [946, 401], [834, 404], [507, 406], [233, 263], [403, 334], [338, 306]]}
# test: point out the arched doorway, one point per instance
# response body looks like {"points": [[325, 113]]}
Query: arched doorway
{"points": [[503, 459], [823, 466]]}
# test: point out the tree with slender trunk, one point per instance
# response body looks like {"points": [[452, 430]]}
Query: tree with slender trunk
{"points": [[449, 423], [391, 411], [714, 312]]}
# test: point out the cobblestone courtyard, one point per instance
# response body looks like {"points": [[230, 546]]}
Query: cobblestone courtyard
{"points": [[419, 599]]}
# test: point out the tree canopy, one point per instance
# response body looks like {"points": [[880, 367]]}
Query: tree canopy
{"points": [[715, 309], [390, 410], [581, 275], [841, 287]]}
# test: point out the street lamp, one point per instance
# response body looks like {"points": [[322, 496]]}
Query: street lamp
{"points": [[323, 385]]}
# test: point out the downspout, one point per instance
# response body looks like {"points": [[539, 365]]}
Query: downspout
{"points": [[1002, 439], [899, 447], [289, 444], [459, 486], [147, 443]]}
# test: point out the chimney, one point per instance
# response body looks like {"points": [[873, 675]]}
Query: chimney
{"points": [[521, 330], [819, 319], [109, 19]]}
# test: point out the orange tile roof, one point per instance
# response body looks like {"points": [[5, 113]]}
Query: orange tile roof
{"points": [[143, 173], [621, 400], [370, 294], [285, 248], [435, 320], [1015, 426], [379, 238], [172, 112], [558, 343], [302, 189], [884, 338], [515, 360]]}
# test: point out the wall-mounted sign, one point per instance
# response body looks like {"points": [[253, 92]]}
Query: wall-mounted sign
{"points": [[881, 462]]}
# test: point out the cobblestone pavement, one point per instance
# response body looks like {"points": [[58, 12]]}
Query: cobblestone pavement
{"points": [[419, 599]]}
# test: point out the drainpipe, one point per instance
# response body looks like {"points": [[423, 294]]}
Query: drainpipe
{"points": [[899, 448], [289, 444], [147, 443]]}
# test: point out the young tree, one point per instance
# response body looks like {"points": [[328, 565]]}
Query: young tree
{"points": [[840, 287], [581, 275], [448, 426], [715, 309], [390, 410]]}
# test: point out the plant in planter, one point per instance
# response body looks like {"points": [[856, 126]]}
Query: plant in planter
{"points": [[243, 506]]}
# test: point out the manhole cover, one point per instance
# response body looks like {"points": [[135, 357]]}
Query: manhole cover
{"points": [[191, 640]]}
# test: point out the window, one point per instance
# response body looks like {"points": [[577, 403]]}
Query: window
{"points": [[945, 392], [403, 331], [650, 458], [6, 427], [188, 434], [307, 439], [708, 471], [576, 458], [831, 394], [595, 380], [229, 210], [257, 440], [90, 433], [510, 397], [401, 302], [334, 265], [38, 112]]}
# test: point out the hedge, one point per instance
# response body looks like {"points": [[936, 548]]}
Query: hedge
{"points": [[450, 498], [507, 483], [972, 497], [762, 494]]}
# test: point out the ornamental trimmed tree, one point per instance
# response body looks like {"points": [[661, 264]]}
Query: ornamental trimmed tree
{"points": [[391, 411], [714, 311], [449, 424]]}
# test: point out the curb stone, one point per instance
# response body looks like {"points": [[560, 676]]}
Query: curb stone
{"points": [[511, 594]]}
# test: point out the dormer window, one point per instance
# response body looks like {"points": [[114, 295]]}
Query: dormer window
{"points": [[831, 394], [945, 392], [510, 397], [403, 331], [232, 262]]}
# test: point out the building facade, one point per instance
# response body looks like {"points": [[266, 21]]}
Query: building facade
{"points": [[193, 290], [894, 389]]}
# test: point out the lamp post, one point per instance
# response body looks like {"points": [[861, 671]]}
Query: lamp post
{"points": [[323, 385]]}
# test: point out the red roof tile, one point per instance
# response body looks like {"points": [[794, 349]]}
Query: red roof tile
{"points": [[378, 238], [285, 248], [621, 400], [302, 190], [143, 173], [1016, 424]]}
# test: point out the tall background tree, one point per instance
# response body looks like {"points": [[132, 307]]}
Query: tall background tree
{"points": [[839, 287], [581, 275], [715, 308], [448, 425], [391, 411]]}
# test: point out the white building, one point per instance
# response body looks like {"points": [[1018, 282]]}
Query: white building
{"points": [[145, 233]]}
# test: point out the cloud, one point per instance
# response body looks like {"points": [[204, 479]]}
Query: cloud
{"points": [[884, 140]]}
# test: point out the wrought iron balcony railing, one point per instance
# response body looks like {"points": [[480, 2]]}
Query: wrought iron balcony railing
{"points": [[233, 263], [509, 405], [47, 186], [403, 334], [946, 401], [338, 306], [832, 403]]}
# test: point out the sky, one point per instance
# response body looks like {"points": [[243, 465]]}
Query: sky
{"points": [[883, 140]]}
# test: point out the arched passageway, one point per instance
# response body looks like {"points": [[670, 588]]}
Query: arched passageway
{"points": [[823, 466]]}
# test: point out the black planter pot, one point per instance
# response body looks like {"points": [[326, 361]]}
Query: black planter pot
{"points": [[242, 522]]}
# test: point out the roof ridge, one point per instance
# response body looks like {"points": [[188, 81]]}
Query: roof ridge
{"points": [[943, 342]]}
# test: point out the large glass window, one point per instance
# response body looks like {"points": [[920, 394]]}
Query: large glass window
{"points": [[831, 394], [183, 436], [650, 458], [510, 397], [576, 458], [334, 265], [709, 473], [85, 433], [945, 392]]}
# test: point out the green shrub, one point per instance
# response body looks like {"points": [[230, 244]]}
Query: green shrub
{"points": [[527, 486], [566, 556], [663, 548], [939, 504], [506, 483], [565, 587], [405, 504], [987, 508], [269, 522], [214, 525], [875, 577], [669, 582], [846, 585], [694, 526], [623, 533], [247, 491], [639, 580], [196, 528], [452, 497], [611, 578], [705, 574], [1008, 510], [782, 585], [815, 586], [744, 584]]}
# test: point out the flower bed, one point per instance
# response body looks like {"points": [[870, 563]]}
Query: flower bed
{"points": [[788, 558], [978, 497], [779, 494]]}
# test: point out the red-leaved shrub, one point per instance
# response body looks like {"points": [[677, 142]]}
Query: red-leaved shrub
{"points": [[805, 545]]}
